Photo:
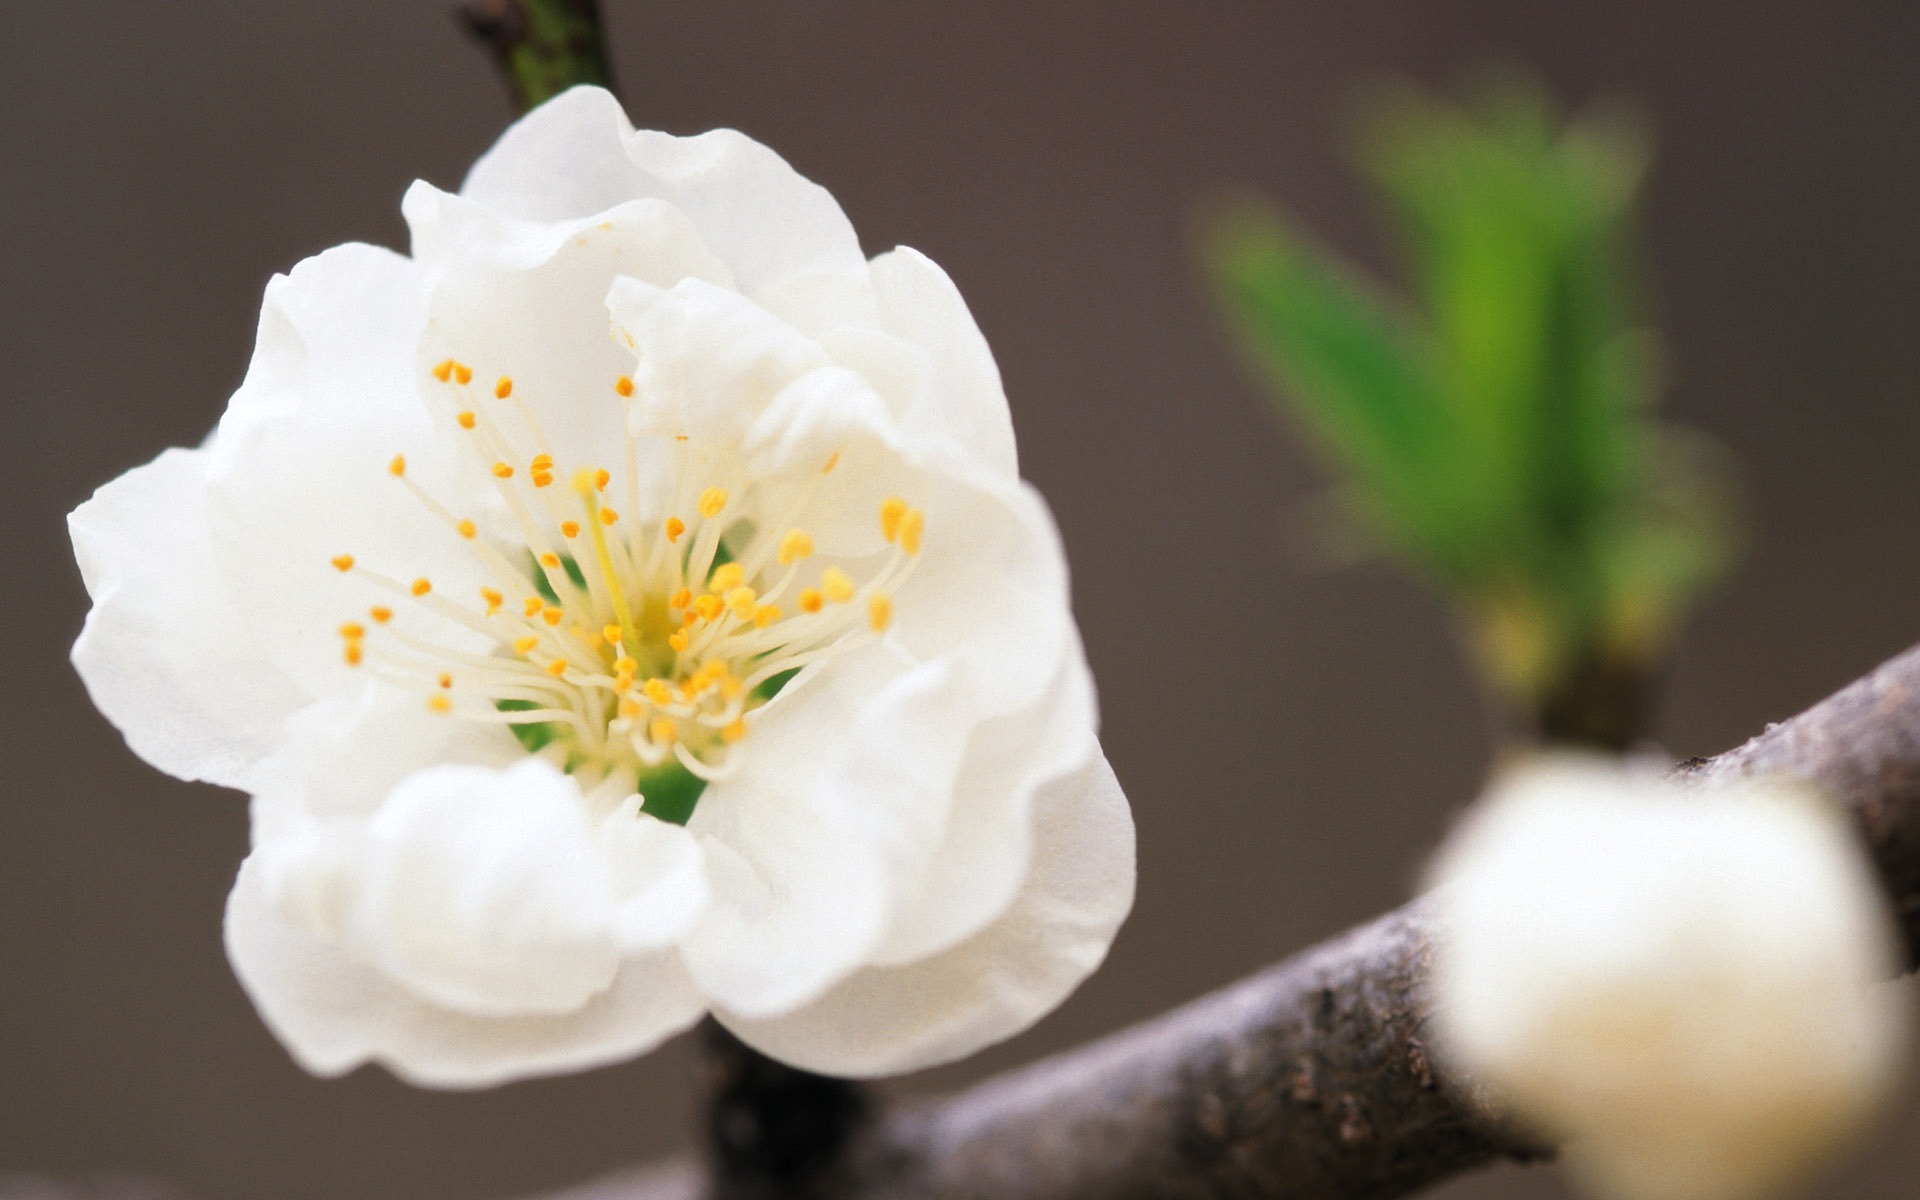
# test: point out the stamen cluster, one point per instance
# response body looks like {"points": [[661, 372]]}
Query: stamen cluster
{"points": [[629, 642]]}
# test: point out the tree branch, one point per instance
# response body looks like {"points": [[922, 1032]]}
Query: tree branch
{"points": [[542, 47], [772, 1131], [1310, 1080]]}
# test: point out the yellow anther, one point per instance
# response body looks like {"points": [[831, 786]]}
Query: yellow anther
{"points": [[446, 681], [352, 653], [557, 667], [570, 529], [601, 478], [879, 611], [810, 600], [553, 616], [675, 527], [541, 462], [624, 385], [795, 546], [662, 731], [611, 633], [726, 577], [655, 690], [912, 525], [629, 709], [503, 470], [462, 373], [625, 664], [833, 460], [740, 601], [543, 479], [834, 582], [689, 619], [525, 645], [550, 560], [342, 562], [609, 517], [352, 630], [712, 501], [678, 640], [398, 466], [892, 509], [708, 606], [765, 615], [467, 529], [439, 703], [493, 598], [444, 371], [681, 599], [380, 613], [733, 731], [466, 420], [421, 586], [531, 605], [503, 389]]}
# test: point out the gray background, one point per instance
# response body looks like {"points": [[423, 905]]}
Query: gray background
{"points": [[1289, 763]]}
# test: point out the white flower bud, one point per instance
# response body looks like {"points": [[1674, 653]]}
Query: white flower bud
{"points": [[1682, 987]]}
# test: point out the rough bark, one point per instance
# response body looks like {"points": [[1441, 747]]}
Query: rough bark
{"points": [[1861, 746], [1310, 1080]]}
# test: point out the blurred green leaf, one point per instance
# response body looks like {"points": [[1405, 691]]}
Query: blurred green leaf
{"points": [[1496, 433]]}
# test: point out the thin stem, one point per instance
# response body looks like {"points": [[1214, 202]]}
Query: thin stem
{"points": [[542, 47], [774, 1132]]}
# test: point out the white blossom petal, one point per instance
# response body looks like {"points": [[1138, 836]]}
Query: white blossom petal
{"points": [[658, 876], [577, 155], [804, 866], [480, 891], [983, 850], [334, 396], [885, 1020], [164, 654], [993, 560], [335, 1013], [957, 396]]}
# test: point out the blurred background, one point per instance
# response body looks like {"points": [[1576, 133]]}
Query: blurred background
{"points": [[161, 161]]}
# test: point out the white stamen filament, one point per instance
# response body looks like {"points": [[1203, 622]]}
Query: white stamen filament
{"points": [[629, 678]]}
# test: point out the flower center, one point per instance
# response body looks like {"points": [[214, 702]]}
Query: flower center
{"points": [[631, 642]]}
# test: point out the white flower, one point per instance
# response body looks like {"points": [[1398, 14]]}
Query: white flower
{"points": [[1683, 985], [489, 581]]}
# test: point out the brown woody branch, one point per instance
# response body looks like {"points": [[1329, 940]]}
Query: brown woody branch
{"points": [[1310, 1080]]}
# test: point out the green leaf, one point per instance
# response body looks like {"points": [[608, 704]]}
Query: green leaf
{"points": [[1495, 434], [1341, 360]]}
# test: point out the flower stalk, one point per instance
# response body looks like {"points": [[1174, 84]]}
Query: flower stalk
{"points": [[542, 47]]}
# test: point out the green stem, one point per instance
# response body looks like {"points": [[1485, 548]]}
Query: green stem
{"points": [[543, 47], [1600, 702]]}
